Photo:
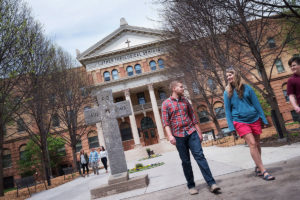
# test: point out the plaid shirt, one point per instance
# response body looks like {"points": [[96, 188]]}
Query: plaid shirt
{"points": [[179, 116]]}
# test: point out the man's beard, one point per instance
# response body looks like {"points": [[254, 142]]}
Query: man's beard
{"points": [[180, 94]]}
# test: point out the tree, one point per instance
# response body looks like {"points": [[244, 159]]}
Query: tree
{"points": [[17, 39], [197, 50], [237, 31], [70, 98], [38, 109], [31, 159]]}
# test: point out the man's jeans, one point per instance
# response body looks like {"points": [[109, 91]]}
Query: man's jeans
{"points": [[192, 142]]}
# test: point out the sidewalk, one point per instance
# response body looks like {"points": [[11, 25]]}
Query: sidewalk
{"points": [[165, 179], [242, 185]]}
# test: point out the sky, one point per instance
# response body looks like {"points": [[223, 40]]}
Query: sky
{"points": [[78, 24]]}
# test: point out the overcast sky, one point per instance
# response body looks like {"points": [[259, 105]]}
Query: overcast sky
{"points": [[78, 24]]}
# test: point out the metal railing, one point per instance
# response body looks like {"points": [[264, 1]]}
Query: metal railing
{"points": [[141, 107]]}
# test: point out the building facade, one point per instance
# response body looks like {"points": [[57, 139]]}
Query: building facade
{"points": [[133, 62]]}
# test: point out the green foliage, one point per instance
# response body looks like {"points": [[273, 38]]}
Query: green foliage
{"points": [[31, 160], [263, 102], [139, 165]]}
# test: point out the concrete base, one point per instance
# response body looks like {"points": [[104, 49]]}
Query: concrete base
{"points": [[119, 187], [118, 178]]}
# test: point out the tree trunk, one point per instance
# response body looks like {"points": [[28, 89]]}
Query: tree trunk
{"points": [[280, 127], [1, 158], [45, 158], [74, 157]]}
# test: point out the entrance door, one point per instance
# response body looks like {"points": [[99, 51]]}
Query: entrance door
{"points": [[149, 131], [150, 136]]}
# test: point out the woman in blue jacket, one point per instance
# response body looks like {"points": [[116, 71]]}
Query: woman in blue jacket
{"points": [[244, 115]]}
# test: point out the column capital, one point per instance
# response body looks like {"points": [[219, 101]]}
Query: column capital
{"points": [[127, 93], [150, 86]]}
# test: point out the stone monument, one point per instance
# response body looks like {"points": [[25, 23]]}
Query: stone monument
{"points": [[107, 113]]}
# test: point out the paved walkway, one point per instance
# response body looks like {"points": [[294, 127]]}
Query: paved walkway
{"points": [[222, 161]]}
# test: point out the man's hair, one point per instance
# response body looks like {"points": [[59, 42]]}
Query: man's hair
{"points": [[173, 84], [294, 59]]}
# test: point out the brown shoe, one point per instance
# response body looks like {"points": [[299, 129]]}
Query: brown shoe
{"points": [[214, 188], [193, 191]]}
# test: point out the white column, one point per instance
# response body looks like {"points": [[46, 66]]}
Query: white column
{"points": [[157, 118], [132, 120], [100, 135]]}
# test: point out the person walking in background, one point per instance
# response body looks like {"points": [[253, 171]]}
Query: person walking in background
{"points": [[84, 160], [183, 131], [93, 160], [103, 156], [293, 84], [244, 115]]}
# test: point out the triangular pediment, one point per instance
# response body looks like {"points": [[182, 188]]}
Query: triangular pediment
{"points": [[123, 38]]}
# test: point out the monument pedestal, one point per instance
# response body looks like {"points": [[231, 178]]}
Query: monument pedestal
{"points": [[120, 183]]}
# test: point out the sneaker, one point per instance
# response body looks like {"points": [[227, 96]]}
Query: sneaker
{"points": [[214, 188], [193, 191]]}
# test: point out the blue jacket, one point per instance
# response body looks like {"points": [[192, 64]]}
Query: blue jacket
{"points": [[245, 110], [94, 156]]}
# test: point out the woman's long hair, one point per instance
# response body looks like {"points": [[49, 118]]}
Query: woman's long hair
{"points": [[237, 84]]}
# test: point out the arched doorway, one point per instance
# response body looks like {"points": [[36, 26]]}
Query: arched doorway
{"points": [[148, 129]]}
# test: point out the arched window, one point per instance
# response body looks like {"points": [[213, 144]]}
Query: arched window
{"points": [[55, 120], [162, 95], [152, 65], [129, 71], [284, 90], [93, 139], [202, 114], [279, 65], [106, 76], [211, 84], [138, 69], [125, 131], [62, 151], [78, 146], [147, 123], [20, 125], [271, 42], [22, 151], [115, 74], [219, 110], [161, 63], [6, 158]]}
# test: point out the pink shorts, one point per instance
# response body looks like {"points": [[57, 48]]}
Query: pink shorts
{"points": [[244, 128]]}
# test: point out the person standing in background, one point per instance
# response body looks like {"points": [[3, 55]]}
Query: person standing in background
{"points": [[103, 156], [93, 160], [84, 160]]}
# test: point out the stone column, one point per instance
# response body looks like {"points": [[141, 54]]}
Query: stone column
{"points": [[100, 135], [157, 118], [132, 120]]}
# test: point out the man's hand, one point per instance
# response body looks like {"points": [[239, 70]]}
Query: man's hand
{"points": [[200, 136], [297, 110], [172, 139]]}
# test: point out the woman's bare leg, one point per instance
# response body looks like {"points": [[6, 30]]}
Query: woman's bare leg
{"points": [[254, 151]]}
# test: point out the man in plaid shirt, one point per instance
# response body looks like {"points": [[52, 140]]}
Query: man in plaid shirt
{"points": [[183, 131]]}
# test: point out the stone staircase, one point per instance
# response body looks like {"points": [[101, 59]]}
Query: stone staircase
{"points": [[140, 152]]}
